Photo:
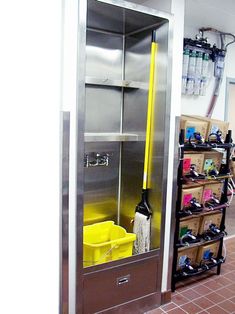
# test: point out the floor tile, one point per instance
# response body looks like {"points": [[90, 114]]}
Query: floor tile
{"points": [[225, 292], [225, 270], [231, 287], [179, 299], [156, 311], [202, 290], [216, 310], [230, 275], [227, 306], [215, 297], [214, 285], [224, 281], [191, 294], [177, 311], [168, 306], [203, 302], [191, 308]]}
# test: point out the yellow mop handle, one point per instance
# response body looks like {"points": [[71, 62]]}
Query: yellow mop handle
{"points": [[154, 49]]}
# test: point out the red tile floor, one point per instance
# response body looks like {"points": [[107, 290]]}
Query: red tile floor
{"points": [[207, 293]]}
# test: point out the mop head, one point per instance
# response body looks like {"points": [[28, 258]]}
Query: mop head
{"points": [[142, 230]]}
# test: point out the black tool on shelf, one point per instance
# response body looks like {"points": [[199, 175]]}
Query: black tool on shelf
{"points": [[194, 174], [212, 233], [216, 137], [188, 238], [199, 269], [212, 202], [196, 138], [197, 143]]}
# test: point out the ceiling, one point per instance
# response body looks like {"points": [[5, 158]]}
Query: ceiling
{"points": [[211, 13]]}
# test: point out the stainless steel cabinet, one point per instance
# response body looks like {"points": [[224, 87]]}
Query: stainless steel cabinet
{"points": [[112, 89]]}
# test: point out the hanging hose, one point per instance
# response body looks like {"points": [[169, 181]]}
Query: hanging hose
{"points": [[225, 251], [230, 188], [220, 61]]}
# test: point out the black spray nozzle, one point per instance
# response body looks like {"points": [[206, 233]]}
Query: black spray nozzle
{"points": [[194, 203], [188, 263], [214, 229], [193, 170], [196, 137], [216, 137], [187, 237]]}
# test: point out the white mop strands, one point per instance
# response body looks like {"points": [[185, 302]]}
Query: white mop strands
{"points": [[142, 230]]}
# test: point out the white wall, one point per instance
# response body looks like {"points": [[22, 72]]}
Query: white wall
{"points": [[177, 9], [220, 15], [231, 107], [29, 167]]}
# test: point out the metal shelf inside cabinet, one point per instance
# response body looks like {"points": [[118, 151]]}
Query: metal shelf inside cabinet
{"points": [[112, 137], [115, 83]]}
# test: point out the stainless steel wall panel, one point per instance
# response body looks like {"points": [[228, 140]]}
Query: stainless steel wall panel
{"points": [[103, 109], [137, 57], [132, 180], [135, 111], [103, 55], [121, 17], [101, 185]]}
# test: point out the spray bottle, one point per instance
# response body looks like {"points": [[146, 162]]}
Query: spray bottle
{"points": [[198, 72], [185, 70]]}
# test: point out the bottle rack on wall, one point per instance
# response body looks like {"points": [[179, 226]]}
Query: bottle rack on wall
{"points": [[182, 266]]}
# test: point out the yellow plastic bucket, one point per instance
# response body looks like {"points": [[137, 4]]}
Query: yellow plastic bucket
{"points": [[104, 242]]}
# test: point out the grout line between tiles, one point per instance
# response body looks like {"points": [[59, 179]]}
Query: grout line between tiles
{"points": [[216, 304], [182, 310], [168, 304], [201, 296]]}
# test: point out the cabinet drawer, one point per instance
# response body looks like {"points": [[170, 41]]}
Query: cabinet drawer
{"points": [[107, 288]]}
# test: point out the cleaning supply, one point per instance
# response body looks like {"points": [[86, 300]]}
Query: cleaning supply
{"points": [[104, 242], [191, 72], [204, 74], [198, 71], [142, 221], [185, 70], [142, 230]]}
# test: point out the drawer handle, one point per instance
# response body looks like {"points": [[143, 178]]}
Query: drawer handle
{"points": [[123, 280]]}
